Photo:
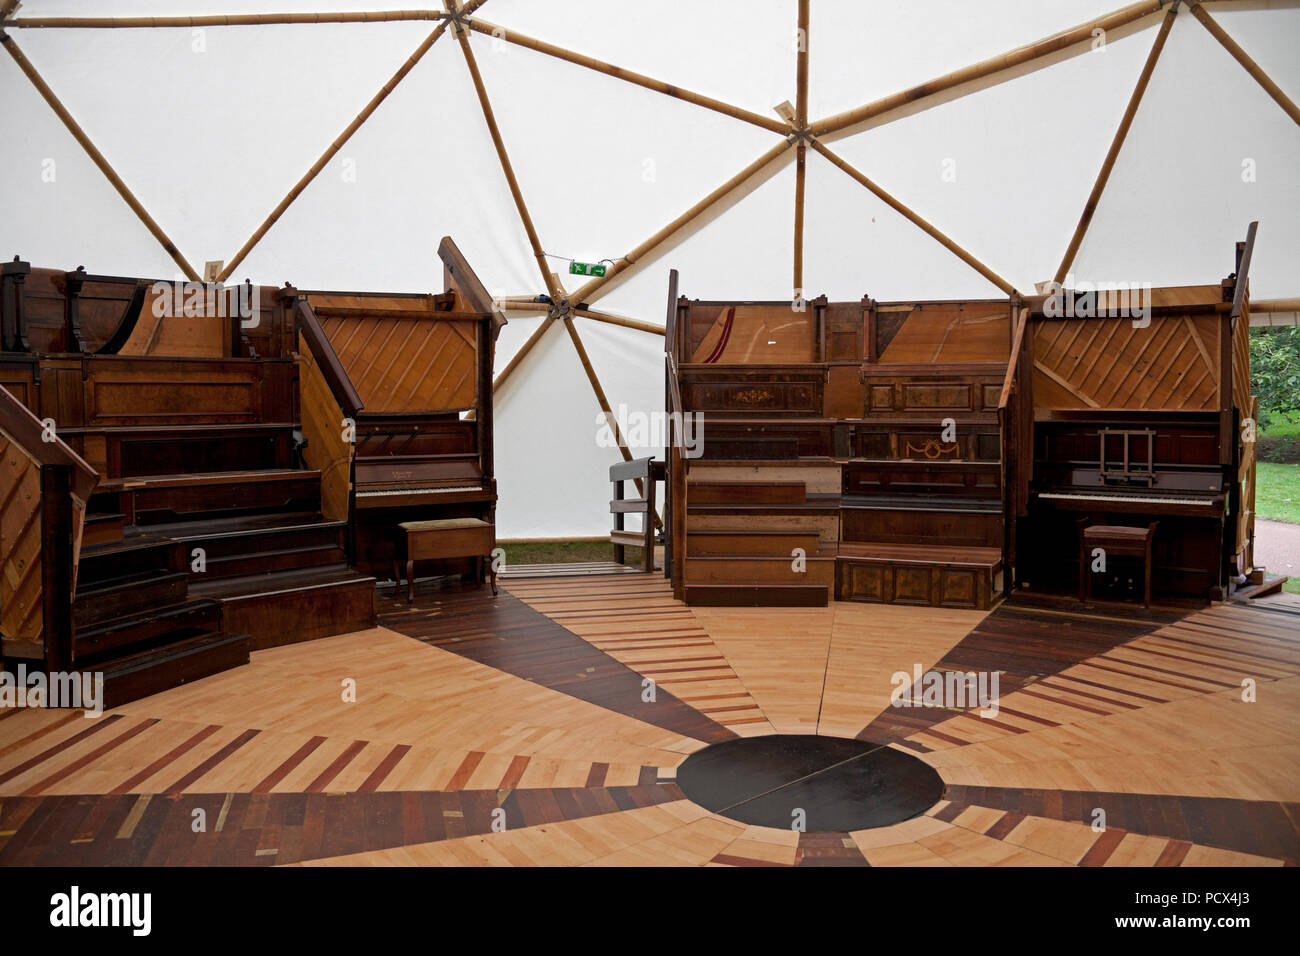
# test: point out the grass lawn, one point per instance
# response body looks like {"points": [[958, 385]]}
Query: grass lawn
{"points": [[567, 552], [1277, 492], [1280, 441]]}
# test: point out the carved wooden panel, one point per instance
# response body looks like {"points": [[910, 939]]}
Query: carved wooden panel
{"points": [[21, 616], [1171, 364]]}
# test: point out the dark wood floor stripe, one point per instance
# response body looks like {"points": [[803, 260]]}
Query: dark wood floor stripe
{"points": [[1104, 848], [38, 734], [514, 773], [197, 773], [61, 746], [1026, 643], [85, 759], [133, 781], [828, 849], [507, 634], [286, 768], [334, 769], [386, 766], [278, 828], [1258, 827]]}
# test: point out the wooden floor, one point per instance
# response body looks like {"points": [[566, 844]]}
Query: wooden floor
{"points": [[544, 726]]}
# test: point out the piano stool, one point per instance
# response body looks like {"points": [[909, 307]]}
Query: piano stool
{"points": [[1119, 541], [444, 538]]}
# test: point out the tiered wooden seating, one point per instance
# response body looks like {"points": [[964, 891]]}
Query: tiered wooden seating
{"points": [[204, 516], [870, 427], [105, 603], [422, 370]]}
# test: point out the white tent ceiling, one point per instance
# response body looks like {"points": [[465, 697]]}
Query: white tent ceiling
{"points": [[210, 127]]}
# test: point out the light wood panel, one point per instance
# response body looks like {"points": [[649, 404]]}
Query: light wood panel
{"points": [[947, 332], [406, 363], [1170, 365], [21, 616], [323, 428]]}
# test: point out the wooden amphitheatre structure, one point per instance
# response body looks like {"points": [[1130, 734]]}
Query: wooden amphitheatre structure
{"points": [[936, 453]]}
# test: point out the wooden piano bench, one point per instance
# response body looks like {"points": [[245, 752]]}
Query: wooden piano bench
{"points": [[1116, 541], [447, 538]]}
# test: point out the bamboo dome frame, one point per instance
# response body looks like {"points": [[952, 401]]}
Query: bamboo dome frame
{"points": [[795, 132]]}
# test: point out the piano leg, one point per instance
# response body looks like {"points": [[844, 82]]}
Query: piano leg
{"points": [[410, 580], [493, 572]]}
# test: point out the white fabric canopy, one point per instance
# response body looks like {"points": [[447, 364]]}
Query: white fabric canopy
{"points": [[210, 128]]}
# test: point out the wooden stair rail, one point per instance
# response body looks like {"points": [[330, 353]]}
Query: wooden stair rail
{"points": [[336, 377], [646, 472], [49, 524], [1015, 425]]}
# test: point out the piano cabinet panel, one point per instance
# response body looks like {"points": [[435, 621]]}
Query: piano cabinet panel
{"points": [[1186, 553], [380, 542]]}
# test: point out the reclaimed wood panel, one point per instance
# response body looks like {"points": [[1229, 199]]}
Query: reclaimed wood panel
{"points": [[753, 334], [1109, 363], [404, 363], [945, 332], [323, 427], [21, 617]]}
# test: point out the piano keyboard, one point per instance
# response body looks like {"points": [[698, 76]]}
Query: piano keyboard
{"points": [[1154, 499], [418, 491]]}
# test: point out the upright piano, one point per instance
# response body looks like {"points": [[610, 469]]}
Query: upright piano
{"points": [[422, 366]]}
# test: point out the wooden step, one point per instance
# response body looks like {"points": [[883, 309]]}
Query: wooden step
{"points": [[253, 544], [825, 524], [127, 595], [1271, 584], [926, 575], [757, 595], [817, 475], [286, 607], [745, 569], [133, 554], [103, 529], [146, 628], [191, 657], [744, 492], [813, 505], [770, 542], [168, 499]]}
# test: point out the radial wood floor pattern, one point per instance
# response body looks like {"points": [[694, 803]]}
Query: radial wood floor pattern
{"points": [[520, 731]]}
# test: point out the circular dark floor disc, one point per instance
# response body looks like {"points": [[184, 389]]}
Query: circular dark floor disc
{"points": [[837, 784]]}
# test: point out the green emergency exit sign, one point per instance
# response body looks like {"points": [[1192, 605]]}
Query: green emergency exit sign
{"points": [[586, 269]]}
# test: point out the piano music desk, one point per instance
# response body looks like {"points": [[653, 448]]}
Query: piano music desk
{"points": [[1116, 541], [444, 538]]}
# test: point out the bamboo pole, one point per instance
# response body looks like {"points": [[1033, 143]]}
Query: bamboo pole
{"points": [[934, 232], [6, 8], [801, 68], [640, 79], [1242, 57], [552, 286], [541, 308], [523, 350], [225, 20], [1125, 123], [592, 290], [332, 150], [985, 68], [95, 155], [800, 175], [801, 153], [620, 321]]}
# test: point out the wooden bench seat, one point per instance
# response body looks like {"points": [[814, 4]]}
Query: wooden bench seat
{"points": [[444, 538], [928, 575]]}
